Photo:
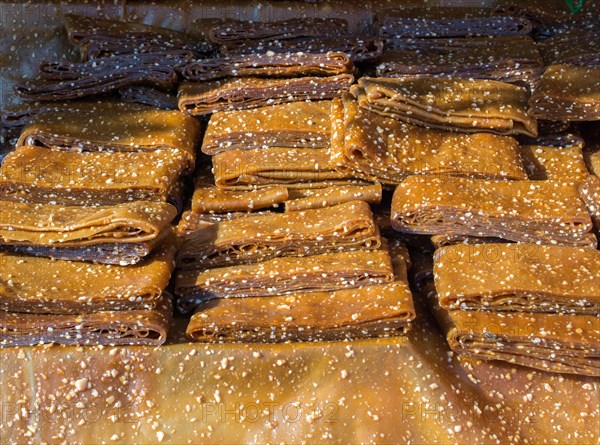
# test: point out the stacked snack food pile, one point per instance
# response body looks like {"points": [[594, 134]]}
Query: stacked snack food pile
{"points": [[463, 135]]}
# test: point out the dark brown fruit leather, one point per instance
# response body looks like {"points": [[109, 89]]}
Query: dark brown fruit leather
{"points": [[150, 96]]}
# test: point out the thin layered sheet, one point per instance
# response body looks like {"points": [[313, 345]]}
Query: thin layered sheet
{"points": [[450, 239], [132, 327], [554, 163], [333, 195], [574, 46], [518, 277], [542, 212], [259, 238], [469, 105], [100, 38], [295, 168], [295, 124], [214, 200], [39, 175], [594, 161], [357, 48], [191, 222], [113, 126], [512, 59], [117, 234], [45, 286], [590, 193], [380, 148], [234, 31], [316, 273], [269, 65], [449, 22], [69, 80], [567, 93], [551, 342], [367, 311], [201, 98], [150, 96]]}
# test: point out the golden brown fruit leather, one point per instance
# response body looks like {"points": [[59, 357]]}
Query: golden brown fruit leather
{"points": [[214, 200], [114, 126], [518, 277], [269, 65], [294, 168], [259, 238], [294, 125], [39, 175], [332, 195], [379, 148], [467, 105], [542, 212], [324, 272], [199, 98], [147, 327], [565, 164], [590, 193], [46, 286], [367, 311], [567, 93], [234, 31], [121, 234]]}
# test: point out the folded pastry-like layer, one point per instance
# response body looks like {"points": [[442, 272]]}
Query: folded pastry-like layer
{"points": [[333, 195], [469, 105], [242, 31], [594, 162], [147, 327], [114, 126], [316, 273], [554, 163], [269, 65], [518, 277], [573, 46], [590, 193], [22, 113], [120, 234], [258, 238], [100, 38], [291, 167], [450, 239], [295, 124], [357, 48], [380, 148], [191, 222], [46, 286], [513, 59], [150, 96], [449, 22], [562, 343], [366, 311], [543, 212], [200, 98], [69, 80], [214, 200], [39, 175], [568, 93]]}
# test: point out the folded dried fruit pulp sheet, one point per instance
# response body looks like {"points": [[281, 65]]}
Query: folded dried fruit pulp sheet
{"points": [[35, 174], [107, 234], [214, 200], [518, 277], [244, 31], [470, 105], [295, 168], [333, 195], [551, 342], [324, 272], [149, 96], [113, 126], [564, 164], [568, 93], [124, 327], [295, 124], [258, 238], [544, 212], [380, 148], [45, 286], [269, 65], [450, 239], [201, 98], [191, 222], [590, 193], [367, 311], [449, 22]]}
